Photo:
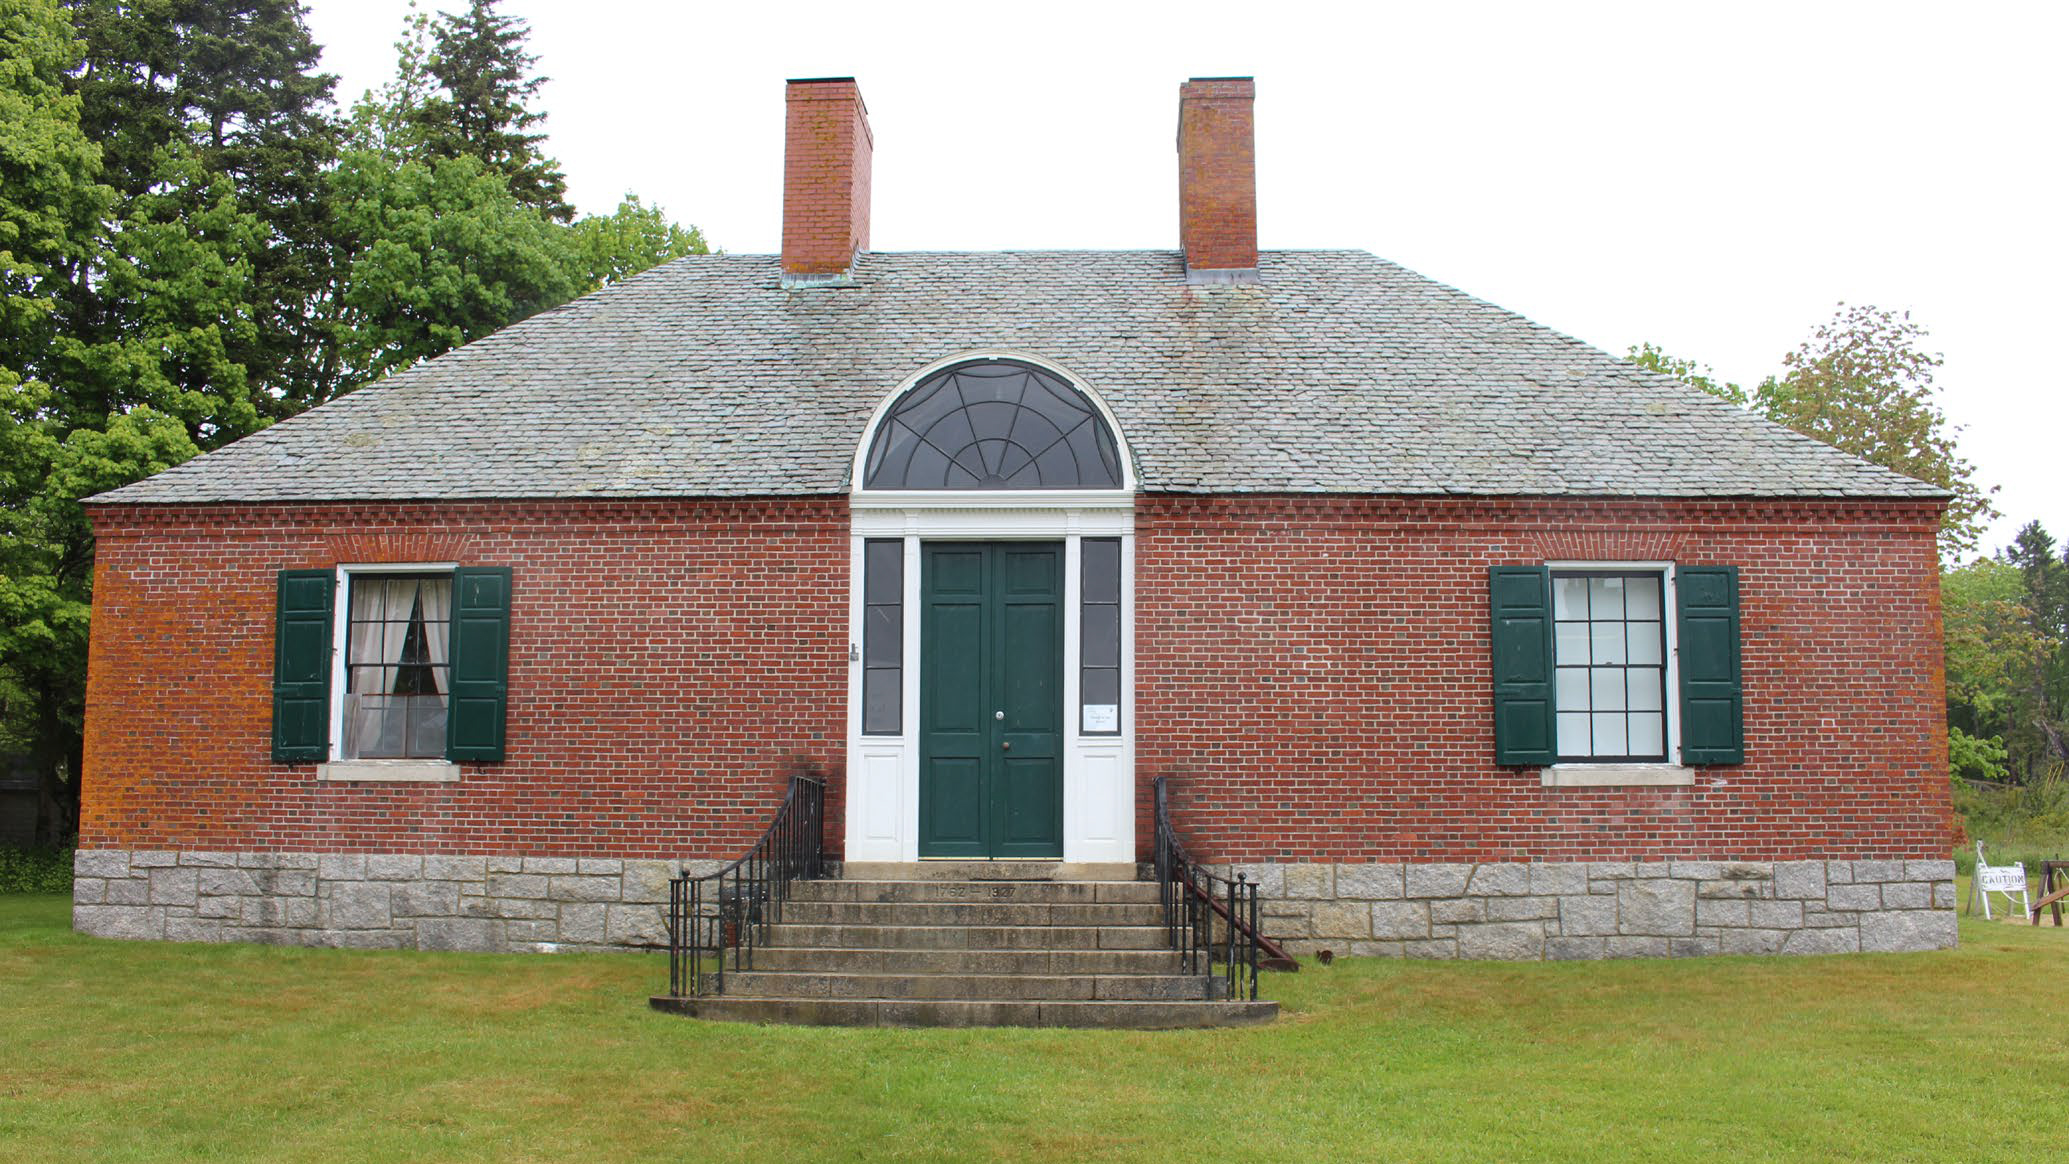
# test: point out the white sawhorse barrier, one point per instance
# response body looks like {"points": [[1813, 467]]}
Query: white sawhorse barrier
{"points": [[2005, 879]]}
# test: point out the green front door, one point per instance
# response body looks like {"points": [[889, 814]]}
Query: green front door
{"points": [[991, 699]]}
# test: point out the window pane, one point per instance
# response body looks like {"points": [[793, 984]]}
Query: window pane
{"points": [[883, 571], [1102, 569], [1102, 636], [1570, 643], [1644, 641], [881, 702], [426, 726], [1645, 684], [1571, 693], [883, 643], [1606, 689], [1570, 598], [1102, 685], [1608, 642], [1642, 598], [1649, 735], [1609, 734], [1605, 598], [1573, 734]]}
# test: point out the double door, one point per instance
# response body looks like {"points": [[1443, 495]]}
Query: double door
{"points": [[991, 700]]}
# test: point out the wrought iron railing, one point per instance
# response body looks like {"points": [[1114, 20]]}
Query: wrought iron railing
{"points": [[1209, 918], [724, 916]]}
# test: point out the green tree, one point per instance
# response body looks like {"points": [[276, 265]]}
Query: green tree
{"points": [[481, 105], [1653, 359], [2038, 730], [1993, 646], [234, 82], [51, 204], [616, 246], [1862, 382], [442, 253]]}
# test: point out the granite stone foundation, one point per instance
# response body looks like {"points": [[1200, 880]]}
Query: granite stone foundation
{"points": [[1643, 909], [376, 901], [1491, 911]]}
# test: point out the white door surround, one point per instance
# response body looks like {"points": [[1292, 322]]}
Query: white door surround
{"points": [[1098, 770]]}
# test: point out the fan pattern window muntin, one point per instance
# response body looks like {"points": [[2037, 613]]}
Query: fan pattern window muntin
{"points": [[993, 424]]}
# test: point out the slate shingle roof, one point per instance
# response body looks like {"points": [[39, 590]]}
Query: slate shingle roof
{"points": [[1337, 372]]}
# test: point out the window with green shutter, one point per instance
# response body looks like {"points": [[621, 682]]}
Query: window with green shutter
{"points": [[426, 664], [1581, 666], [480, 663], [1712, 697], [1519, 601], [301, 666]]}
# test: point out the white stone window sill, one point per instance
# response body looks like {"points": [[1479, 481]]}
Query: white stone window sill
{"points": [[1615, 776], [390, 771]]}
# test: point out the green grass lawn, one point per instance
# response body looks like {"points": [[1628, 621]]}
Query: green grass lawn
{"points": [[124, 1051]]}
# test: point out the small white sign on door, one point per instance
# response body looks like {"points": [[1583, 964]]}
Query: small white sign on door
{"points": [[1102, 717]]}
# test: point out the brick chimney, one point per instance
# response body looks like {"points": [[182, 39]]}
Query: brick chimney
{"points": [[826, 153], [1217, 179]]}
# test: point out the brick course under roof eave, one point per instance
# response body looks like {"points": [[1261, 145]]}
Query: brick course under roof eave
{"points": [[1337, 373]]}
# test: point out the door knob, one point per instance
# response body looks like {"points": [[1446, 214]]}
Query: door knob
{"points": [[998, 715], [1007, 746]]}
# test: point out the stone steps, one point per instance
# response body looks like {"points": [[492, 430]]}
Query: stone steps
{"points": [[879, 1012], [976, 893], [969, 937], [978, 987], [960, 962], [962, 913], [924, 947]]}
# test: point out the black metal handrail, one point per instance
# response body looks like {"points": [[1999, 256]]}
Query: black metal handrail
{"points": [[1192, 897], [746, 897]]}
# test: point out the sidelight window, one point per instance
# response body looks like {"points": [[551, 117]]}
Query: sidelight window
{"points": [[1099, 637]]}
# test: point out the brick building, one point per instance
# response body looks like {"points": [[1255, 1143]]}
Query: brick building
{"points": [[1461, 637]]}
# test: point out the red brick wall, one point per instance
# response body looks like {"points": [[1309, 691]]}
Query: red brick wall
{"points": [[670, 662], [1312, 671], [1314, 675]]}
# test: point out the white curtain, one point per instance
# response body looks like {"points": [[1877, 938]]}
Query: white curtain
{"points": [[369, 601], [400, 596], [437, 596]]}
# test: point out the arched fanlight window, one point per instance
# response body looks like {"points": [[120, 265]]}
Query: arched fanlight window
{"points": [[993, 424]]}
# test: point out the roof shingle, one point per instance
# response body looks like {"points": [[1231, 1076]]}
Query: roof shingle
{"points": [[1337, 372]]}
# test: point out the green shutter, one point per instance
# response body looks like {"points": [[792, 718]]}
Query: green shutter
{"points": [[1519, 600], [301, 667], [480, 663], [1712, 701]]}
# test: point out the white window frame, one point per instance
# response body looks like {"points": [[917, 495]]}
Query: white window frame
{"points": [[1671, 772], [337, 768]]}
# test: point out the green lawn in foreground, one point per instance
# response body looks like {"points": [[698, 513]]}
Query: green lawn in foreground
{"points": [[128, 1051]]}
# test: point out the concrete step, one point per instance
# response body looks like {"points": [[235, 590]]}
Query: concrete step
{"points": [[987, 871], [963, 913], [969, 937], [1051, 892], [972, 987], [872, 1012], [877, 961]]}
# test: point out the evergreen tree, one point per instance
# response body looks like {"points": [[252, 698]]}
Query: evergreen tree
{"points": [[482, 107], [234, 82]]}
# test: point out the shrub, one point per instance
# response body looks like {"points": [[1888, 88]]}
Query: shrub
{"points": [[35, 870]]}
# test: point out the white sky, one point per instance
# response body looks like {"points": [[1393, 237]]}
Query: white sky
{"points": [[1712, 178]]}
